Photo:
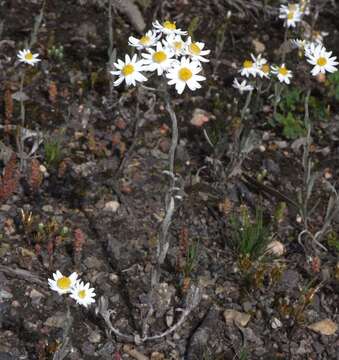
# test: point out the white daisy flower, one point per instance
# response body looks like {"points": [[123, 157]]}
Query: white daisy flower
{"points": [[83, 294], [284, 75], [27, 57], [159, 59], [147, 40], [299, 44], [175, 43], [185, 73], [195, 50], [263, 69], [321, 59], [62, 284], [168, 27], [129, 71], [243, 86], [291, 14], [249, 67]]}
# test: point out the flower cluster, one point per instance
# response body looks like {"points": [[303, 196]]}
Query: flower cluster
{"points": [[78, 290], [315, 54], [259, 67], [166, 53], [27, 57]]}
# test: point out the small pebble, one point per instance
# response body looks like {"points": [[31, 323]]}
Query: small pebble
{"points": [[112, 206]]}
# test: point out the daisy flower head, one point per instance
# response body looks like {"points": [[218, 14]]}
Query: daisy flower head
{"points": [[185, 72], [62, 284], [83, 294], [159, 59], [249, 67], [299, 44], [27, 57], [263, 69], [243, 86], [175, 43], [284, 75], [321, 59], [168, 27], [291, 14], [147, 40], [195, 50], [129, 71]]}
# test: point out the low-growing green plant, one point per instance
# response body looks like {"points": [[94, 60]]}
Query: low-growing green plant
{"points": [[191, 258], [333, 241], [333, 84], [249, 238], [53, 151], [292, 125], [291, 111], [56, 52]]}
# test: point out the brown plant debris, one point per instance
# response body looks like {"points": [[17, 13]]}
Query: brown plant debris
{"points": [[8, 100], [35, 176], [10, 179]]}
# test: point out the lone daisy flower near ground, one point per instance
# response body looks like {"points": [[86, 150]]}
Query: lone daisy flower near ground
{"points": [[83, 294], [321, 59], [159, 59], [284, 75], [62, 284], [243, 86], [147, 40], [195, 50], [129, 71], [185, 73], [291, 14], [27, 57], [168, 27]]}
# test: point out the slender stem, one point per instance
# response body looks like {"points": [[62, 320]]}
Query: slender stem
{"points": [[110, 29], [22, 105], [277, 96], [306, 161], [175, 132], [111, 50], [246, 105], [284, 47], [19, 140]]}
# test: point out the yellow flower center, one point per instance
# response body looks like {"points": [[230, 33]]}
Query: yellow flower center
{"points": [[265, 68], [82, 294], [159, 57], [283, 71], [185, 74], [292, 7], [247, 64], [290, 15], [194, 49], [29, 56], [177, 45], [63, 283], [127, 70], [145, 40], [321, 61], [169, 25]]}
